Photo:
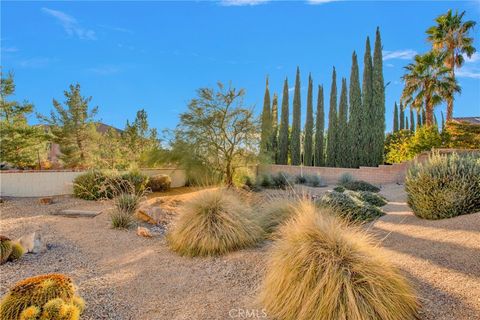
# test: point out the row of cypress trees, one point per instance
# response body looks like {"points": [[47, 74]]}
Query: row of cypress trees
{"points": [[356, 125], [401, 121]]}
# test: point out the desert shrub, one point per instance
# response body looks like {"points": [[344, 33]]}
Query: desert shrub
{"points": [[345, 178], [52, 296], [92, 185], [300, 179], [265, 181], [159, 183], [5, 249], [462, 135], [349, 207], [360, 185], [281, 180], [370, 197], [126, 200], [339, 189], [314, 180], [275, 212], [241, 175], [444, 186], [213, 223], [320, 268], [136, 179]]}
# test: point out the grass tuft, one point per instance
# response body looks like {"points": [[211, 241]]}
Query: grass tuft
{"points": [[322, 268]]}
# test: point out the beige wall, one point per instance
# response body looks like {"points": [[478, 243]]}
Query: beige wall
{"points": [[52, 182]]}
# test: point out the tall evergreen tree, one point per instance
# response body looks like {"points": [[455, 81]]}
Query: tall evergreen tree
{"points": [[295, 146], [342, 142], [378, 101], [266, 126], [395, 117], [412, 121], [424, 117], [402, 117], [332, 124], [406, 123], [284, 123], [356, 120], [319, 128], [419, 119], [443, 121], [367, 95], [308, 135], [274, 133]]}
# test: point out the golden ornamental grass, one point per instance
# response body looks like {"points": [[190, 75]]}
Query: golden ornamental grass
{"points": [[214, 222], [275, 212], [322, 269]]}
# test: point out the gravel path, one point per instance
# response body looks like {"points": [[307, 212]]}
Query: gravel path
{"points": [[123, 276]]}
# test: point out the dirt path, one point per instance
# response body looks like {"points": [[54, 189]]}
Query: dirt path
{"points": [[123, 276]]}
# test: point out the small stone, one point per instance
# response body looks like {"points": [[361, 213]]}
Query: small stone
{"points": [[144, 232], [33, 243], [145, 216]]}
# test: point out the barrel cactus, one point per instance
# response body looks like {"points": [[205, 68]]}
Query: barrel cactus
{"points": [[44, 297], [17, 251], [5, 249]]}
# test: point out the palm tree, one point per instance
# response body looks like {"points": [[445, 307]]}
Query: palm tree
{"points": [[451, 36], [427, 83]]}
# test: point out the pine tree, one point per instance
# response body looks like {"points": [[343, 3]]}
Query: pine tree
{"points": [[308, 135], [395, 118], [378, 101], [342, 142], [402, 117], [295, 146], [319, 128], [284, 123], [266, 126], [412, 121], [367, 95], [332, 124], [355, 123], [274, 133]]}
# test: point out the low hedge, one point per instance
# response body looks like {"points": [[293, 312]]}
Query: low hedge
{"points": [[349, 207], [360, 185]]}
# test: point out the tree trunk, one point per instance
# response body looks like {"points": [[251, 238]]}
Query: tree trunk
{"points": [[429, 112], [229, 175], [450, 99]]}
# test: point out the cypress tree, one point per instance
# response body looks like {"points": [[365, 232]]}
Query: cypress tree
{"points": [[443, 121], [332, 123], [274, 133], [283, 133], [395, 118], [266, 127], [378, 101], [366, 150], [308, 135], [342, 143], [406, 123], [295, 149], [419, 119], [319, 128], [412, 121], [355, 123], [402, 117]]}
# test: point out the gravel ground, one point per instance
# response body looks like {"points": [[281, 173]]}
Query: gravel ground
{"points": [[123, 276]]}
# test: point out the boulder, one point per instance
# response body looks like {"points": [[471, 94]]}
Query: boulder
{"points": [[46, 200], [32, 243], [144, 232]]}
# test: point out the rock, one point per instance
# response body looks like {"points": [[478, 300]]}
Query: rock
{"points": [[32, 243], [46, 200], [143, 215], [144, 232]]}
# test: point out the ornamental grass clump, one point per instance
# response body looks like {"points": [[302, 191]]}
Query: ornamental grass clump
{"points": [[214, 222], [44, 297], [275, 212], [444, 186], [322, 268], [126, 199]]}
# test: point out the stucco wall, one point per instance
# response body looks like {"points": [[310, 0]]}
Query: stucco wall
{"points": [[32, 183]]}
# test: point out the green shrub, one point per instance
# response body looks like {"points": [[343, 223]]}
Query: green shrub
{"points": [[92, 185], [370, 197], [444, 186], [136, 179], [360, 185], [321, 268], [300, 179], [52, 296], [314, 180], [345, 178], [349, 207], [159, 183], [121, 219], [265, 181], [281, 180], [339, 189]]}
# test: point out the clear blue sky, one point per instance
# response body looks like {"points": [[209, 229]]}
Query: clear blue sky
{"points": [[154, 54]]}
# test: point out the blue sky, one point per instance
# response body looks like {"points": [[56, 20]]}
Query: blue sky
{"points": [[154, 54]]}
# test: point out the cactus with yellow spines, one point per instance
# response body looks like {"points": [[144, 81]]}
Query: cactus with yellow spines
{"points": [[5, 249], [17, 251], [31, 313], [53, 294]]}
